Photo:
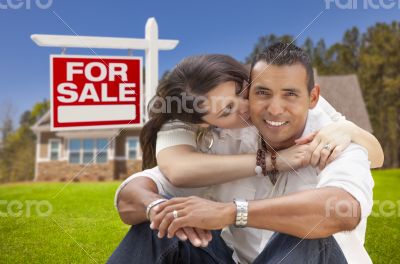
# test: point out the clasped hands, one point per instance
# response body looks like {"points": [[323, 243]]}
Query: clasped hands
{"points": [[196, 217]]}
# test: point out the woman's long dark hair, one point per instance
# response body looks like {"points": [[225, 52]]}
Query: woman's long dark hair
{"points": [[193, 76]]}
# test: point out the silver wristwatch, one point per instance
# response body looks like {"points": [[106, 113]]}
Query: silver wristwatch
{"points": [[241, 212]]}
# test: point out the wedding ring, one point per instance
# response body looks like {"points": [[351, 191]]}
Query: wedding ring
{"points": [[175, 214], [327, 147]]}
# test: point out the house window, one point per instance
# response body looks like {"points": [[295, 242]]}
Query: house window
{"points": [[54, 151], [132, 148], [88, 150], [75, 151], [101, 148]]}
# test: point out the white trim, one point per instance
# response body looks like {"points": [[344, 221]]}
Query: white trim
{"points": [[45, 128], [37, 156], [111, 148], [43, 160], [127, 147], [108, 133], [49, 148], [142, 113], [36, 126], [93, 42]]}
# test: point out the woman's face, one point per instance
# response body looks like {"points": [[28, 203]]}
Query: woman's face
{"points": [[226, 108]]}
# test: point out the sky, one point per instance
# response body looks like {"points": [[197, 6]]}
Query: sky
{"points": [[208, 26]]}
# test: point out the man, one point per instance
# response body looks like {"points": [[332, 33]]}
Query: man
{"points": [[308, 203]]}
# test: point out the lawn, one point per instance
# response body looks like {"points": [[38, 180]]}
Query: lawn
{"points": [[83, 226]]}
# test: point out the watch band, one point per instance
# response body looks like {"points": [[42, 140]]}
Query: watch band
{"points": [[241, 212], [151, 205]]}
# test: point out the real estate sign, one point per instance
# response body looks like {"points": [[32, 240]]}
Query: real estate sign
{"points": [[95, 91]]}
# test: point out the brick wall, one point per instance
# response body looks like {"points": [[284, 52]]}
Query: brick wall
{"points": [[64, 171], [124, 169]]}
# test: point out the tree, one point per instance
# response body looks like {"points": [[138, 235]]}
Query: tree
{"points": [[308, 47], [379, 65], [6, 119], [266, 41], [343, 57], [17, 156], [319, 57]]}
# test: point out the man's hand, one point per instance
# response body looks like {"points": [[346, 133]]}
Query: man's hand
{"points": [[192, 212], [198, 237]]}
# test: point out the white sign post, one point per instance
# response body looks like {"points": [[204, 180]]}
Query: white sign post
{"points": [[151, 44]]}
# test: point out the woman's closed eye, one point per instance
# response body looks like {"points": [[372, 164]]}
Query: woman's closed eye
{"points": [[227, 110]]}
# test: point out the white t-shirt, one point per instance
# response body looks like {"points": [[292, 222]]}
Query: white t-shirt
{"points": [[349, 171]]}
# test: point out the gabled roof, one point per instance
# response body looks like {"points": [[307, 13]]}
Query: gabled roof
{"points": [[344, 94], [43, 123]]}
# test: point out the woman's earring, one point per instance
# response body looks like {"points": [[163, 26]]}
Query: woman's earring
{"points": [[205, 139]]}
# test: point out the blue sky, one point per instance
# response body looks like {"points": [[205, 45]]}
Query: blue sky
{"points": [[220, 26]]}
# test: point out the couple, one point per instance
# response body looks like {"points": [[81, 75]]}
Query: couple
{"points": [[298, 190]]}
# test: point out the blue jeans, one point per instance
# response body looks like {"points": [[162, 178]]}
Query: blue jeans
{"points": [[142, 246]]}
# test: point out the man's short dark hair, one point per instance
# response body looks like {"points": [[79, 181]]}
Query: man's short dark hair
{"points": [[281, 54]]}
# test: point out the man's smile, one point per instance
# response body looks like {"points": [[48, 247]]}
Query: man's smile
{"points": [[276, 123]]}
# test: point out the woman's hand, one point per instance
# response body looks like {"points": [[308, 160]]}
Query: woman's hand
{"points": [[293, 158], [192, 212], [327, 144], [198, 237]]}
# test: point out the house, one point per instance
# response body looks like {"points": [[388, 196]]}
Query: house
{"points": [[97, 155], [110, 154]]}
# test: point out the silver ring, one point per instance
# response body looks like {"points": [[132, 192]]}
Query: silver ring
{"points": [[327, 147], [175, 214]]}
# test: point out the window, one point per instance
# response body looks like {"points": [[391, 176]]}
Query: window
{"points": [[75, 151], [88, 150], [54, 151], [88, 154], [132, 148], [101, 148]]}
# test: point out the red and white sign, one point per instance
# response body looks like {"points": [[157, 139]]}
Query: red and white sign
{"points": [[95, 92]]}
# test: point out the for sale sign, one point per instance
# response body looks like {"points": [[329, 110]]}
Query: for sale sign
{"points": [[95, 91]]}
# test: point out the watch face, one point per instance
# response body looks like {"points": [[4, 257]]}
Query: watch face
{"points": [[241, 212]]}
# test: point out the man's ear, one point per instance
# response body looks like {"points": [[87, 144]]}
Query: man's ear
{"points": [[245, 90], [314, 96]]}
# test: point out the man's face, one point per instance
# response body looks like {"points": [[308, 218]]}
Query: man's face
{"points": [[279, 102]]}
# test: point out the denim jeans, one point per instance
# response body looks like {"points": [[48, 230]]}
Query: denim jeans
{"points": [[142, 246]]}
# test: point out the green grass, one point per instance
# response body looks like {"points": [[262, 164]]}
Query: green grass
{"points": [[84, 227], [383, 232], [83, 216]]}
